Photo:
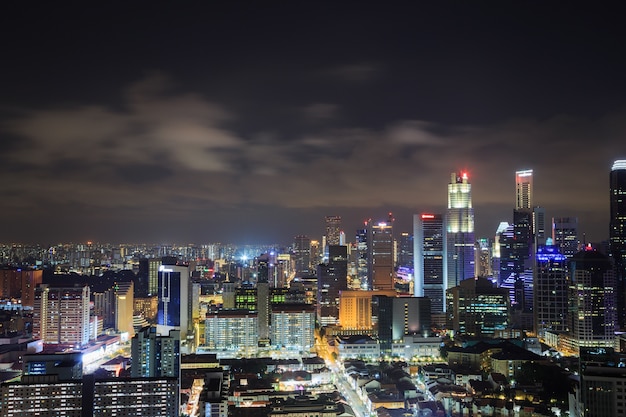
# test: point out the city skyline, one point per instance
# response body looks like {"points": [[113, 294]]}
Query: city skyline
{"points": [[252, 124]]}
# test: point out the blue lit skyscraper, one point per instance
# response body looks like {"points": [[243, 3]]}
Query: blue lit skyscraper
{"points": [[174, 308], [430, 259], [551, 289], [460, 230]]}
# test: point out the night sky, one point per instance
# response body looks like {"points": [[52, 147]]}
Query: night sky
{"points": [[224, 121]]}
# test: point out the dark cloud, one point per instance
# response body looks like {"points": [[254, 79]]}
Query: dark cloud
{"points": [[229, 122]]}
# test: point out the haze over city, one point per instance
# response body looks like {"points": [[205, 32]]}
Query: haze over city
{"points": [[250, 123]]}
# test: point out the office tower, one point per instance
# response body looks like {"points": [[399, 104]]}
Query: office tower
{"points": [[380, 255], [174, 308], [382, 321], [551, 290], [496, 254], [593, 300], [430, 259], [142, 279], [484, 260], [410, 316], [333, 230], [332, 277], [617, 233], [61, 315], [460, 230], [302, 254], [154, 354], [477, 308], [19, 284], [524, 190], [565, 235], [293, 327], [124, 307], [539, 226], [232, 330], [355, 308], [315, 255], [602, 382], [360, 255], [405, 250]]}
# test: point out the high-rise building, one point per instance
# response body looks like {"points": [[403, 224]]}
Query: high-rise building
{"points": [[524, 190], [355, 308], [617, 233], [293, 327], [602, 383], [410, 316], [19, 284], [174, 308], [551, 291], [593, 320], [61, 315], [484, 260], [565, 235], [233, 330], [405, 250], [460, 230], [124, 307], [155, 355], [332, 277], [333, 230], [302, 255], [477, 308], [380, 255], [430, 259]]}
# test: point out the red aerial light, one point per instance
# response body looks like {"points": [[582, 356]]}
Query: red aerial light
{"points": [[464, 175]]}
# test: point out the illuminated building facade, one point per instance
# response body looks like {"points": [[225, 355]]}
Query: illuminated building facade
{"points": [[380, 255], [19, 284], [617, 233], [124, 307], [460, 230], [565, 235], [302, 255], [174, 306], [551, 291], [61, 315], [45, 396], [410, 316], [155, 355], [293, 327], [477, 308], [332, 277], [593, 300], [333, 230], [355, 308], [231, 330], [524, 189], [430, 259]]}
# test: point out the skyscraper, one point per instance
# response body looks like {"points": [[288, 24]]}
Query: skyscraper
{"points": [[380, 255], [302, 255], [565, 235], [551, 290], [333, 230], [460, 229], [617, 233], [593, 300], [61, 315], [174, 308], [430, 259], [524, 189], [332, 277], [155, 355]]}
